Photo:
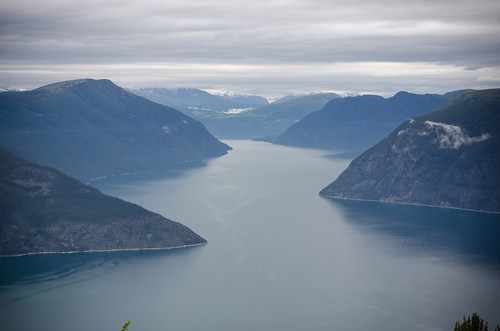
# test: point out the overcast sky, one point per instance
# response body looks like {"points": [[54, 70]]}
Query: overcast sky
{"points": [[271, 47]]}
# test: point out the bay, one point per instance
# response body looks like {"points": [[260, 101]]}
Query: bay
{"points": [[279, 257]]}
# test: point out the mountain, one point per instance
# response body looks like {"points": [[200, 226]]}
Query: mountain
{"points": [[190, 99], [90, 128], [237, 116], [295, 108], [44, 210], [242, 99], [296, 96], [288, 97], [448, 158], [263, 121], [355, 123], [9, 90]]}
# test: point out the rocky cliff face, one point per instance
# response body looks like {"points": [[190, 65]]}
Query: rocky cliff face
{"points": [[447, 158], [43, 210]]}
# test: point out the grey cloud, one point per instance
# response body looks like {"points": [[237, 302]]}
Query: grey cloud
{"points": [[231, 30], [238, 32]]}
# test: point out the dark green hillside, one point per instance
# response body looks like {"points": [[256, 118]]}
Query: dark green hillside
{"points": [[356, 123], [90, 128], [43, 210], [449, 157]]}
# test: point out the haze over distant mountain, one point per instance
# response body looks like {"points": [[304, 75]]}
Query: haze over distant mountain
{"points": [[44, 211], [238, 116], [267, 120], [9, 90], [448, 158], [355, 123], [191, 99], [271, 119], [90, 128], [243, 99], [300, 95]]}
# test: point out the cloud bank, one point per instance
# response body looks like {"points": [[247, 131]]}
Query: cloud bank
{"points": [[270, 48]]}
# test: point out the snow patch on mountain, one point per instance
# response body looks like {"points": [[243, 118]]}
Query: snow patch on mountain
{"points": [[237, 110], [227, 93]]}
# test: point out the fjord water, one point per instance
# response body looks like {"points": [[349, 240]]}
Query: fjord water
{"points": [[279, 257]]}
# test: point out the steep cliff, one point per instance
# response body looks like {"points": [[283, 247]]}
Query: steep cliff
{"points": [[449, 158]]}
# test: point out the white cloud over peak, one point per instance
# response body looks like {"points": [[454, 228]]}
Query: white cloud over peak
{"points": [[452, 136]]}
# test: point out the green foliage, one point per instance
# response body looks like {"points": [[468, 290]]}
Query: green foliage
{"points": [[474, 323], [125, 326]]}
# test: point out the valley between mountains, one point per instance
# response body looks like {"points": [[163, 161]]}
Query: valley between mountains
{"points": [[435, 150]]}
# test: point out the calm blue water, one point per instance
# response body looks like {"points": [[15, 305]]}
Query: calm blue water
{"points": [[279, 257]]}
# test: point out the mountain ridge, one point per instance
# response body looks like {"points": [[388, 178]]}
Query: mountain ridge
{"points": [[446, 158], [188, 99], [226, 118], [356, 123], [91, 128], [45, 211], [263, 121]]}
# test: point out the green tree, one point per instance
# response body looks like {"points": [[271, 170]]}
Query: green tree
{"points": [[125, 326], [474, 323]]}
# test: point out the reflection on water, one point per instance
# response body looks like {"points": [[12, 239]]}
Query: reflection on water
{"points": [[467, 235]]}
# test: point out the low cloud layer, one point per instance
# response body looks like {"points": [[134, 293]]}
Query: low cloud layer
{"points": [[267, 47], [452, 136]]}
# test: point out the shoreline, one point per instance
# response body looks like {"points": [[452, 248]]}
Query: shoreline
{"points": [[411, 204], [108, 250]]}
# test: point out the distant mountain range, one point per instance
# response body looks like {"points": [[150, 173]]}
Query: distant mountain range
{"points": [[243, 99], [91, 128], [356, 123], [46, 211], [190, 99], [264, 121], [449, 157], [238, 116]]}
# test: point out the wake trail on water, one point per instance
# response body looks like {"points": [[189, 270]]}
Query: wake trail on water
{"points": [[70, 272]]}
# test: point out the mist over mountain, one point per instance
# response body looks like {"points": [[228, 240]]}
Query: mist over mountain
{"points": [[267, 120], [91, 128], [301, 95], [9, 90], [44, 210], [448, 158], [191, 99], [356, 123], [243, 99], [226, 119]]}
